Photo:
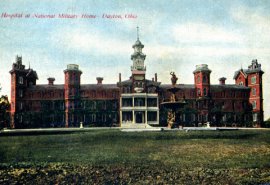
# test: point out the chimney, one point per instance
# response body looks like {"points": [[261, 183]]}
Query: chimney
{"points": [[99, 80], [50, 80], [120, 78], [222, 81], [152, 79], [155, 77]]}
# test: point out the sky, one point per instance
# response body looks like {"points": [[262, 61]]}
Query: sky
{"points": [[177, 34]]}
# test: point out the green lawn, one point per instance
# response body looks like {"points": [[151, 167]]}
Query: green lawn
{"points": [[115, 157]]}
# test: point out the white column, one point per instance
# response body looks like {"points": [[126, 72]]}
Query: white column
{"points": [[146, 117], [133, 116], [157, 111], [158, 117], [145, 121], [145, 101], [120, 121], [133, 113], [120, 116]]}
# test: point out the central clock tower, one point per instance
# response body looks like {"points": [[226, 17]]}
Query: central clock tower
{"points": [[138, 69]]}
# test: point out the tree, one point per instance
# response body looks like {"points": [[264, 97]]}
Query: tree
{"points": [[267, 123], [4, 114]]}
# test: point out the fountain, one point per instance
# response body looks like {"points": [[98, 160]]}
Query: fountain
{"points": [[173, 105]]}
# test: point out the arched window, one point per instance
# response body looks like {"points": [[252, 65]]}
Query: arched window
{"points": [[199, 92], [205, 92], [198, 79], [20, 80], [254, 91], [254, 105], [253, 80]]}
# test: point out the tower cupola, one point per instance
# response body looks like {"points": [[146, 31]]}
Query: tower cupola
{"points": [[138, 56]]}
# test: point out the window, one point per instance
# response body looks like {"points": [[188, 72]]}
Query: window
{"points": [[255, 117], [72, 118], [253, 80], [198, 79], [62, 106], [93, 118], [21, 105], [104, 105], [254, 104], [114, 94], [184, 117], [224, 118], [20, 80], [104, 118], [205, 92], [199, 118], [139, 102], [93, 106], [244, 105], [21, 93], [192, 117], [115, 105], [204, 79], [199, 92], [241, 83], [254, 91]]}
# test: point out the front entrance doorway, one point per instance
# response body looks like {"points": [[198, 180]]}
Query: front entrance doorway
{"points": [[139, 117]]}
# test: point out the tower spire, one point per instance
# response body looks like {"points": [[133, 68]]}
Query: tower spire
{"points": [[137, 32]]}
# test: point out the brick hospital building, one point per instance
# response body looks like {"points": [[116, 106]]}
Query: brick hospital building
{"points": [[134, 102]]}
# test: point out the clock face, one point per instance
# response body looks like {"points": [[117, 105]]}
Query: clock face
{"points": [[137, 62]]}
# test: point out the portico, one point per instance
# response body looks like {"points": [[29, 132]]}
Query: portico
{"points": [[139, 109]]}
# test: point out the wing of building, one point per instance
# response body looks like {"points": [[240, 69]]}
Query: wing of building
{"points": [[134, 102]]}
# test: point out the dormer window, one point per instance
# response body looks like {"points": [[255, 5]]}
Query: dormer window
{"points": [[241, 83]]}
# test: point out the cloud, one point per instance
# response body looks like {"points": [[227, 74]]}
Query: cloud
{"points": [[255, 26], [88, 40], [198, 32]]}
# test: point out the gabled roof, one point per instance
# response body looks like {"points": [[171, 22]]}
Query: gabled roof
{"points": [[32, 73], [240, 71], [255, 67]]}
